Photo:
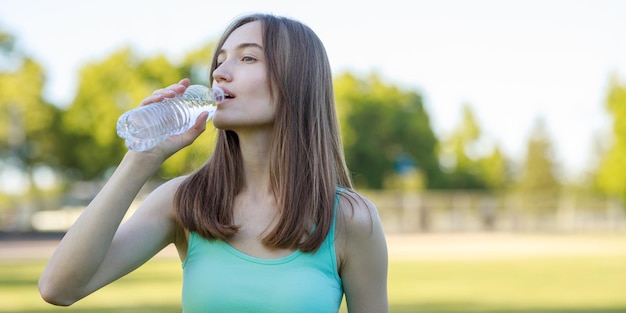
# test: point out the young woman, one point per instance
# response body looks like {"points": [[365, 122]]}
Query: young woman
{"points": [[270, 223]]}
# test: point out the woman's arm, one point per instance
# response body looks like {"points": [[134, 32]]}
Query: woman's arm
{"points": [[363, 257], [97, 250], [77, 266]]}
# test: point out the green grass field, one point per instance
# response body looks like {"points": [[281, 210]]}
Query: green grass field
{"points": [[531, 284]]}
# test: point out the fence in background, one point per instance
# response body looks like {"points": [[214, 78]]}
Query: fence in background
{"points": [[402, 212], [458, 211]]}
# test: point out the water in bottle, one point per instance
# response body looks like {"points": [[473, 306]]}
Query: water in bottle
{"points": [[145, 127]]}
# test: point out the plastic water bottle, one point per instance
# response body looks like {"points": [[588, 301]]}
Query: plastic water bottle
{"points": [[146, 126]]}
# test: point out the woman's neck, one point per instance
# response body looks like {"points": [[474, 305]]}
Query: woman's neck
{"points": [[255, 150]]}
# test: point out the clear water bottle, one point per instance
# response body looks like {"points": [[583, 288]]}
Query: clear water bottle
{"points": [[146, 126]]}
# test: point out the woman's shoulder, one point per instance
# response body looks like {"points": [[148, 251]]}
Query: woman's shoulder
{"points": [[176, 181], [355, 206], [357, 216], [160, 204], [161, 197], [170, 186], [358, 226]]}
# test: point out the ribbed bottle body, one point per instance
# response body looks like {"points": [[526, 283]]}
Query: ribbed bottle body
{"points": [[146, 126]]}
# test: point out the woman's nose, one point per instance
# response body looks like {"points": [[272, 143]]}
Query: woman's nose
{"points": [[221, 73]]}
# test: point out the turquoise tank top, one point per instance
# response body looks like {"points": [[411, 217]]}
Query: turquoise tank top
{"points": [[219, 278]]}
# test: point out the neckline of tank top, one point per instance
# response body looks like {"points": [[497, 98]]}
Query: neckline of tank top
{"points": [[267, 261]]}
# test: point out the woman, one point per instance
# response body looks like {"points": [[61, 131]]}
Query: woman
{"points": [[270, 223]]}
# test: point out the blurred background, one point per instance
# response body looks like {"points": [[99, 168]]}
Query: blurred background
{"points": [[458, 118]]}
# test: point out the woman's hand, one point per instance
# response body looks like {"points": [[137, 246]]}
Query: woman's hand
{"points": [[173, 144]]}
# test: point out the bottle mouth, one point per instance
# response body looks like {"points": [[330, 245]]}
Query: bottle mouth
{"points": [[218, 94]]}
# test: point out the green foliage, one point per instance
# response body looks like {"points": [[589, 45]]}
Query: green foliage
{"points": [[495, 170], [540, 167], [610, 177], [458, 153], [466, 167], [26, 119], [106, 90], [381, 125], [539, 182]]}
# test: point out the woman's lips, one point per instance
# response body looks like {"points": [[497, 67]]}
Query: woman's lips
{"points": [[227, 95]]}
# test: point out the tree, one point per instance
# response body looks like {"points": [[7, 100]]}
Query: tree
{"points": [[106, 90], [539, 182], [495, 170], [27, 133], [27, 130], [466, 160], [383, 126], [460, 156], [610, 177]]}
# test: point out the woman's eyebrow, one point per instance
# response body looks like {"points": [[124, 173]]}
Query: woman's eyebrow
{"points": [[243, 46]]}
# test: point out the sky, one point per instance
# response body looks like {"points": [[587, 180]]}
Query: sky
{"points": [[513, 62]]}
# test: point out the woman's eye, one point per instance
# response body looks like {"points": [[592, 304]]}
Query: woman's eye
{"points": [[248, 59]]}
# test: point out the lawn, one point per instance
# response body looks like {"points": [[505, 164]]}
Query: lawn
{"points": [[534, 284]]}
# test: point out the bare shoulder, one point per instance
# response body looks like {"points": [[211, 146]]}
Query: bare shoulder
{"points": [[159, 207], [170, 186], [160, 202], [163, 195], [356, 213], [358, 225]]}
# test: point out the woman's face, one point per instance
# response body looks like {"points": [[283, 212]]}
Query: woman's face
{"points": [[242, 73]]}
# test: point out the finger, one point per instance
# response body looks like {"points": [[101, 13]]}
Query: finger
{"points": [[200, 124], [162, 93], [185, 81], [192, 134], [181, 86], [158, 91], [155, 97], [169, 92]]}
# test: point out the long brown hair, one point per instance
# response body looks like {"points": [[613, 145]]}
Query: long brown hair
{"points": [[307, 162]]}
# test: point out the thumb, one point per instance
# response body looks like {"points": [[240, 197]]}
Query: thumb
{"points": [[198, 128]]}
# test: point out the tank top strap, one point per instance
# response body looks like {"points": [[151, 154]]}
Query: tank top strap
{"points": [[330, 238], [338, 192]]}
